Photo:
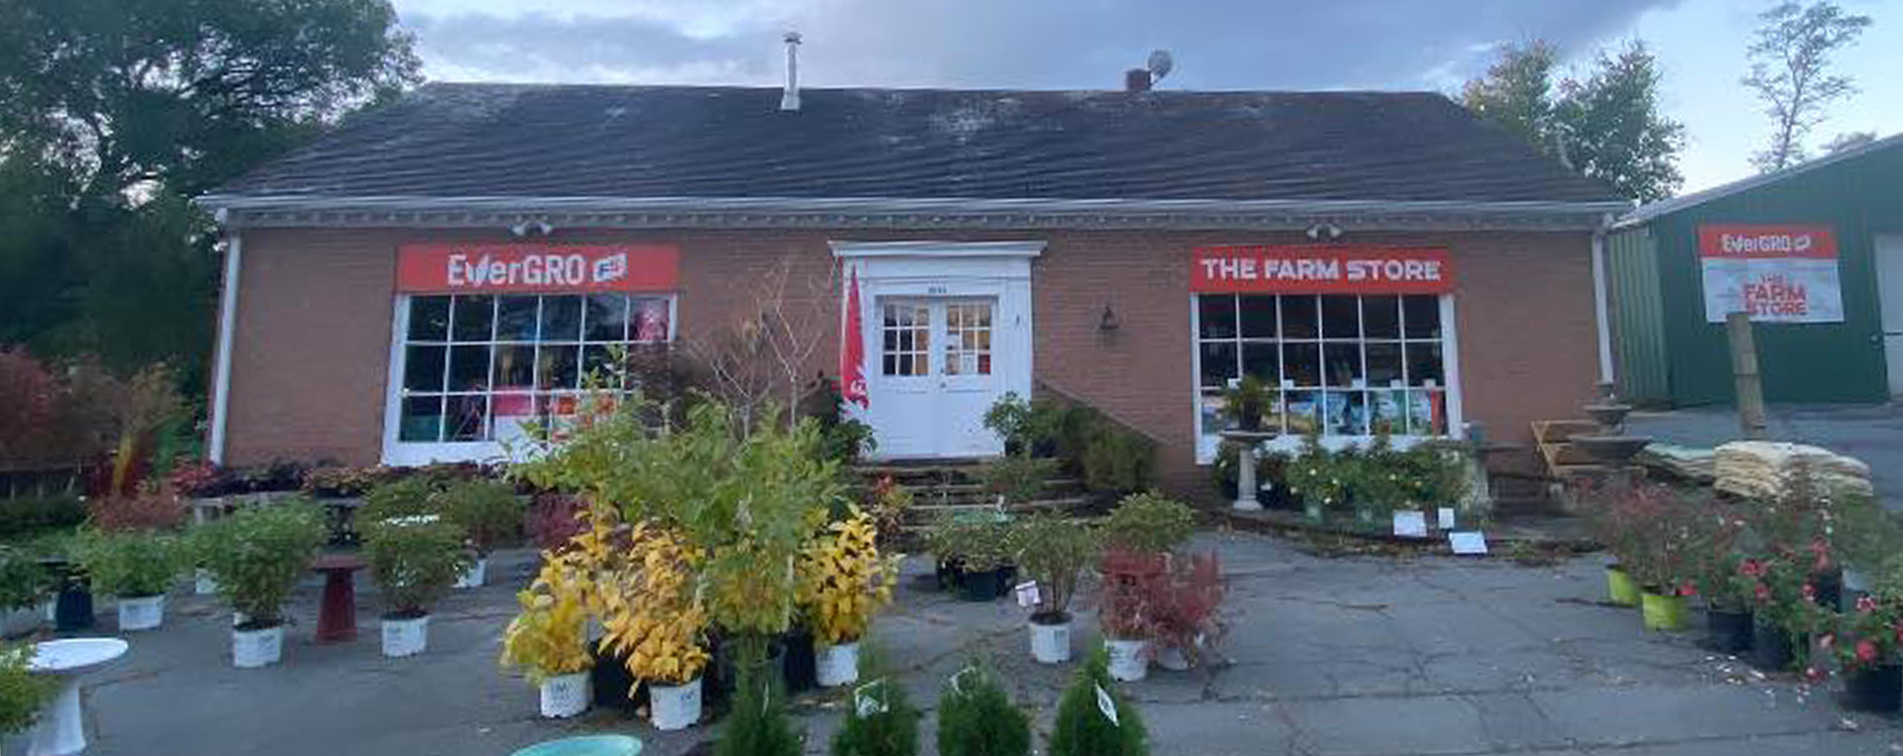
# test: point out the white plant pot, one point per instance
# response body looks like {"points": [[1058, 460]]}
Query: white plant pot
{"points": [[1129, 660], [405, 637], [476, 575], [565, 696], [674, 707], [203, 584], [1171, 658], [49, 609], [1050, 643], [251, 649], [837, 665], [18, 622], [141, 612]]}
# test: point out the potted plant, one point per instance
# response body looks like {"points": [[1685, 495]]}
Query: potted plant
{"points": [[1244, 403], [1612, 532], [1018, 479], [1784, 609], [653, 615], [1866, 648], [1664, 551], [414, 561], [24, 587], [975, 548], [1185, 607], [548, 639], [843, 581], [1715, 535], [256, 555], [976, 717], [22, 693], [1149, 523], [488, 514], [136, 567], [1130, 580], [880, 721], [1052, 551], [1316, 476], [1088, 725]]}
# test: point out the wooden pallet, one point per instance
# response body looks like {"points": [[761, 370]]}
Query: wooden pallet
{"points": [[1564, 459]]}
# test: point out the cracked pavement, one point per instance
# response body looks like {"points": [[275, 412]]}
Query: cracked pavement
{"points": [[1325, 657]]}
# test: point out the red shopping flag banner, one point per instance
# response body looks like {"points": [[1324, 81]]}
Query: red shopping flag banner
{"points": [[852, 348]]}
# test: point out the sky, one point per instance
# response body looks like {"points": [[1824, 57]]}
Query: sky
{"points": [[1087, 44]]}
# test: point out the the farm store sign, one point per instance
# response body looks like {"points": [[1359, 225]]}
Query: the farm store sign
{"points": [[1776, 274], [441, 268], [1321, 269]]}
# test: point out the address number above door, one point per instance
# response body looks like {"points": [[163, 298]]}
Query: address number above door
{"points": [[442, 268]]}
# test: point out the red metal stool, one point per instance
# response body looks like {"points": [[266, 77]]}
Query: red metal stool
{"points": [[337, 615]]}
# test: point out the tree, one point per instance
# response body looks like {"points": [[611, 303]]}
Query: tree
{"points": [[114, 112], [1607, 126], [1790, 72], [1849, 140], [1610, 128]]}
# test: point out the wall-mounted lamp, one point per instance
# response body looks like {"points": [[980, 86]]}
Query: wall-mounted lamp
{"points": [[1108, 322], [1327, 231], [525, 228]]}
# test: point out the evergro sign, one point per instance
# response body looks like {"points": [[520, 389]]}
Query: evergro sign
{"points": [[536, 268]]}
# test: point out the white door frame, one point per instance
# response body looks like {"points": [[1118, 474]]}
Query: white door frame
{"points": [[937, 269], [1887, 253]]}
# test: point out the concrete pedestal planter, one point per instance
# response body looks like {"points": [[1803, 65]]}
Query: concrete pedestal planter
{"points": [[477, 574], [405, 636], [674, 707], [837, 664], [253, 647], [1621, 589], [141, 612], [1129, 659], [565, 696], [1876, 688], [1050, 638]]}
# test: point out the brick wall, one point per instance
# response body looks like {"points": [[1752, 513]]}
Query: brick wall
{"points": [[315, 306]]}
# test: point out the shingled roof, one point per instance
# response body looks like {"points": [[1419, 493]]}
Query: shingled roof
{"points": [[448, 141]]}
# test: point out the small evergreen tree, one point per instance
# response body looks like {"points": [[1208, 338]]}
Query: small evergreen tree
{"points": [[1082, 728], [977, 718], [758, 725], [880, 721]]}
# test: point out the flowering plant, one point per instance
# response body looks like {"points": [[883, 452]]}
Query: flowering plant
{"points": [[1662, 541], [1779, 583], [1317, 477], [1871, 634], [843, 579]]}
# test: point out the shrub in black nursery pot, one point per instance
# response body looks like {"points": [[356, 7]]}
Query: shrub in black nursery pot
{"points": [[611, 680], [1772, 649], [1729, 631], [1877, 688]]}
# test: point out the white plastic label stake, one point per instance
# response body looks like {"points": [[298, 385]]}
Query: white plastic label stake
{"points": [[866, 702], [1468, 542], [1027, 593], [1446, 518], [1410, 524], [1107, 705]]}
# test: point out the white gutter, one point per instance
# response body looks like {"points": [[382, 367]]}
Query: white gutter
{"points": [[1600, 306], [227, 323]]}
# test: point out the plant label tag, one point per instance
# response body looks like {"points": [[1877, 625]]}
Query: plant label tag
{"points": [[1027, 593], [1446, 518], [1410, 524], [1468, 542], [867, 701], [1107, 705]]}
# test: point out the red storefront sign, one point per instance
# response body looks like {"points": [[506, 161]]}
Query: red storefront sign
{"points": [[537, 267], [1760, 242], [1322, 269]]}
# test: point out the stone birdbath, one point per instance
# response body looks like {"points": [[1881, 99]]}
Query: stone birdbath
{"points": [[62, 730], [1247, 441], [1611, 445]]}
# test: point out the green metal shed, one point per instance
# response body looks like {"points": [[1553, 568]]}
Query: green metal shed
{"points": [[1666, 288]]}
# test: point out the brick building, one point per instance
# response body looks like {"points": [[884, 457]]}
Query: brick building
{"points": [[424, 279]]}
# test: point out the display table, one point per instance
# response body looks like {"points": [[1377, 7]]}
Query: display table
{"points": [[1245, 465], [62, 726], [337, 615]]}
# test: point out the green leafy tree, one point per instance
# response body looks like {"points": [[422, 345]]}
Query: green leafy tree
{"points": [[1606, 125], [1790, 72], [1084, 729], [976, 718], [113, 112]]}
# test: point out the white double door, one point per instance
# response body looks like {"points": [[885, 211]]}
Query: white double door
{"points": [[937, 366]]}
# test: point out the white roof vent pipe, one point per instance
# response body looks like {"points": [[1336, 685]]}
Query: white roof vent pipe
{"points": [[790, 99]]}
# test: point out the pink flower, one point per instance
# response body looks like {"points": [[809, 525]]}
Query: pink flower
{"points": [[1828, 641], [1809, 591], [1866, 651], [1813, 674], [1866, 604], [1764, 595], [1688, 589], [1752, 568]]}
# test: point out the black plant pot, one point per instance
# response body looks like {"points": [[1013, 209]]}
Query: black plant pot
{"points": [[1827, 588], [722, 675], [1878, 688], [612, 681], [1729, 632], [800, 668], [73, 610], [985, 585], [951, 574], [1772, 649]]}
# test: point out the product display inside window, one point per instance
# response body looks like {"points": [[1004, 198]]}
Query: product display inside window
{"points": [[478, 367], [1342, 364]]}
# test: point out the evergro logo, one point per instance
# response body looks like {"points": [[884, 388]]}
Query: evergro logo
{"points": [[534, 270]]}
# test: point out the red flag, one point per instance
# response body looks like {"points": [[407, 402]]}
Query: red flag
{"points": [[852, 348]]}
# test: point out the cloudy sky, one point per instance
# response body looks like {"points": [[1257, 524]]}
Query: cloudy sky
{"points": [[1079, 44]]}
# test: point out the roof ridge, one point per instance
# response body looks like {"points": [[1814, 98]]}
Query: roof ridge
{"points": [[552, 85]]}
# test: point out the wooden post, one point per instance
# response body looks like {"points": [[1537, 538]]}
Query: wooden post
{"points": [[1744, 372]]}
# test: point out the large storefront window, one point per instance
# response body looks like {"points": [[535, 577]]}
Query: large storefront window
{"points": [[481, 367]]}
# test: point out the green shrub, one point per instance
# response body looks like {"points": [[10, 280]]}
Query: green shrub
{"points": [[24, 582], [977, 718], [888, 728], [408, 496], [130, 564], [1082, 729], [25, 518], [1017, 478], [757, 724], [414, 562], [1053, 551], [978, 540], [486, 511], [1118, 460], [22, 693], [845, 441], [257, 555], [1149, 523]]}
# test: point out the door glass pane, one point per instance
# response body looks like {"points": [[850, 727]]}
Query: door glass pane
{"points": [[906, 337], [1258, 317], [1216, 315], [1421, 315], [423, 368], [1381, 317], [472, 318], [1218, 364], [561, 318], [1341, 317], [607, 318], [429, 318], [968, 338], [422, 419], [515, 317], [1299, 318], [469, 367]]}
